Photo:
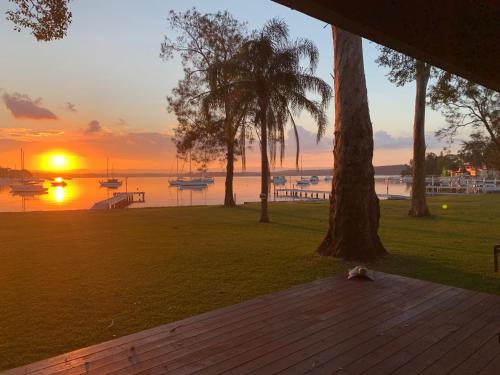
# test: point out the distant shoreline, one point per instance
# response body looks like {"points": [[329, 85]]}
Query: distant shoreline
{"points": [[386, 170]]}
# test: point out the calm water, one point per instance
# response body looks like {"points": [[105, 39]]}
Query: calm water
{"points": [[82, 193]]}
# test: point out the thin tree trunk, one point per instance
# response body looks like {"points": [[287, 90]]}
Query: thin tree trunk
{"points": [[264, 190], [354, 206], [229, 195], [492, 134], [418, 201]]}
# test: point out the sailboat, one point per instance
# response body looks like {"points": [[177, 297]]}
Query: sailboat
{"points": [[111, 183], [199, 183], [27, 186], [303, 181]]}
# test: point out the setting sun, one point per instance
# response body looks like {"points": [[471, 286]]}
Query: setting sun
{"points": [[58, 161]]}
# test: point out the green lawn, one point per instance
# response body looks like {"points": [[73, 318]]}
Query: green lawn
{"points": [[65, 276]]}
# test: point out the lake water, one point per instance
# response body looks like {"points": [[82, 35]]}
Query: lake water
{"points": [[82, 193]]}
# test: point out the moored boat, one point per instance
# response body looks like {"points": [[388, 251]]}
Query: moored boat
{"points": [[26, 187], [303, 182], [110, 183], [58, 181], [279, 180]]}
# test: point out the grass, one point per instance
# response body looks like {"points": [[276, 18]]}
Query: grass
{"points": [[72, 279]]}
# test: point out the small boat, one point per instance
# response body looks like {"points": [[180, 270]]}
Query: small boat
{"points": [[328, 178], [195, 182], [303, 182], [26, 187], [31, 186], [200, 182], [58, 181], [207, 179], [279, 180], [175, 182], [314, 179], [110, 183]]}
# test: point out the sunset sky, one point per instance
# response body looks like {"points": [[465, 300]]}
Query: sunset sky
{"points": [[101, 91]]}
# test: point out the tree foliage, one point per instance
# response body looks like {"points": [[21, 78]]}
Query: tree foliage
{"points": [[207, 129], [272, 81], [47, 19], [202, 41], [466, 104], [480, 152], [402, 68]]}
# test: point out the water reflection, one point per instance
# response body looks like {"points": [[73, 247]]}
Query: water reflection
{"points": [[82, 193], [58, 194]]}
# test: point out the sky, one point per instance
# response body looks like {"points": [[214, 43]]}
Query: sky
{"points": [[101, 91]]}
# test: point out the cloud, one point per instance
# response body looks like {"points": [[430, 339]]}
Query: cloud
{"points": [[384, 140], [94, 127], [71, 107], [22, 106], [307, 142], [24, 134]]}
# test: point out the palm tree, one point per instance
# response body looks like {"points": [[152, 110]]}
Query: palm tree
{"points": [[272, 80]]}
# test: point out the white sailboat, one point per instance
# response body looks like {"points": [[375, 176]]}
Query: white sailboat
{"points": [[27, 186], [303, 181], [111, 183], [199, 183]]}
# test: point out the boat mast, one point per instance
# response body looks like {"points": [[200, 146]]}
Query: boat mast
{"points": [[107, 167], [190, 175], [22, 164]]}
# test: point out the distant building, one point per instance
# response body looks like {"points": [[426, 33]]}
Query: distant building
{"points": [[468, 170]]}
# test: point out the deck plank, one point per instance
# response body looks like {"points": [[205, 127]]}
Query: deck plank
{"points": [[214, 331], [392, 325]]}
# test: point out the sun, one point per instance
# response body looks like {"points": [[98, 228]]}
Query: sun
{"points": [[58, 161]]}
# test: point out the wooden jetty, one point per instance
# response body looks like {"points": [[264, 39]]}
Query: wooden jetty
{"points": [[394, 324], [306, 194], [120, 200]]}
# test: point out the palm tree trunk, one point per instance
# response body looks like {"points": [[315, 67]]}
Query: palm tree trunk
{"points": [[229, 195], [418, 202], [354, 206], [264, 190]]}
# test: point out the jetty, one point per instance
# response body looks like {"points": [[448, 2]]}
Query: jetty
{"points": [[120, 200], [306, 194]]}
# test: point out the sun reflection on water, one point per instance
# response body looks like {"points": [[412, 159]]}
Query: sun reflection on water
{"points": [[61, 195]]}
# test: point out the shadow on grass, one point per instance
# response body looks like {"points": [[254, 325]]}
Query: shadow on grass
{"points": [[433, 270]]}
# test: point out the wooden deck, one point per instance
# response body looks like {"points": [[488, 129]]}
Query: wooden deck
{"points": [[393, 325]]}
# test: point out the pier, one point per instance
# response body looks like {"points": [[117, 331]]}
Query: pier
{"points": [[304, 194], [120, 200], [301, 193]]}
